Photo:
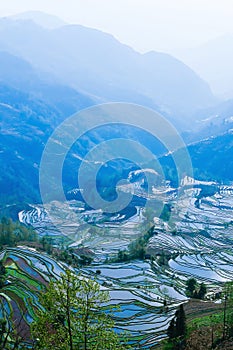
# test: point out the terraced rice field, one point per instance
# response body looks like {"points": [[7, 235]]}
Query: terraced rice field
{"points": [[201, 235], [27, 273], [133, 286]]}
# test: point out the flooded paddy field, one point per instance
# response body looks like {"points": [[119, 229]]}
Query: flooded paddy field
{"points": [[198, 241]]}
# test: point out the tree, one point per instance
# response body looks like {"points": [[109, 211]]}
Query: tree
{"points": [[171, 332], [194, 290], [202, 291], [180, 322], [162, 260], [13, 232], [228, 310], [177, 329], [191, 285], [11, 338], [72, 317], [2, 274]]}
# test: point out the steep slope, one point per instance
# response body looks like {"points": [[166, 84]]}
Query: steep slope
{"points": [[19, 74], [213, 158], [32, 104], [211, 122], [34, 97], [24, 129], [97, 63]]}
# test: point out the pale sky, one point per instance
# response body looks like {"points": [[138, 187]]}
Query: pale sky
{"points": [[162, 25]]}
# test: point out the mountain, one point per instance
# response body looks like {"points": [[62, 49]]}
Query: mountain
{"points": [[24, 126], [213, 158], [43, 19], [98, 65], [213, 62], [32, 104], [21, 75], [55, 73], [211, 122]]}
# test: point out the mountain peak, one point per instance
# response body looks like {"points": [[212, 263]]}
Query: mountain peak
{"points": [[43, 19]]}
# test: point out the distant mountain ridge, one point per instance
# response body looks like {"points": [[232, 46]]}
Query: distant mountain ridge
{"points": [[21, 75], [211, 122], [98, 65], [44, 79], [40, 18]]}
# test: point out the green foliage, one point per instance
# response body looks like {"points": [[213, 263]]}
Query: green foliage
{"points": [[194, 290], [137, 248], [46, 242], [164, 256], [177, 330], [163, 259], [228, 311], [85, 260], [177, 327], [191, 285], [166, 212], [2, 274], [72, 317], [149, 215], [214, 328], [202, 291], [205, 321], [65, 254], [13, 232], [10, 338], [122, 255], [180, 322], [171, 329]]}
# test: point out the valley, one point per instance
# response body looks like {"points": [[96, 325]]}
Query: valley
{"points": [[116, 168]]}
